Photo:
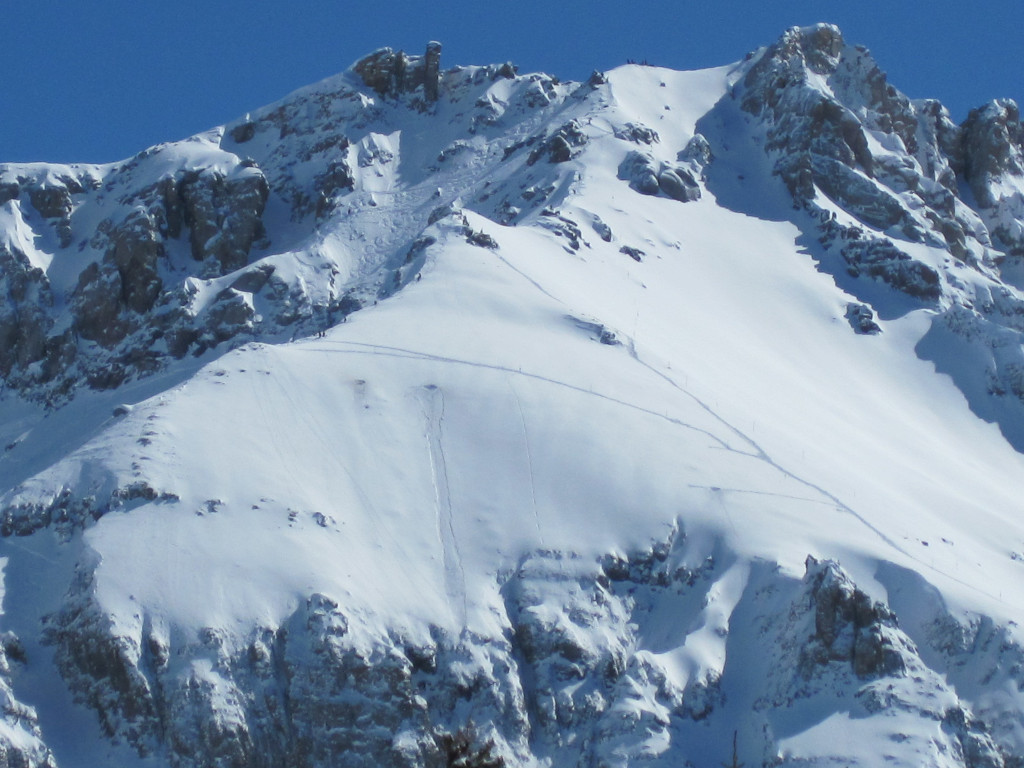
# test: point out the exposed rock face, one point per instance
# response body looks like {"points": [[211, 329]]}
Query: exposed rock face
{"points": [[992, 139], [993, 150], [224, 216], [845, 641], [97, 308], [874, 174], [880, 257], [569, 679], [561, 146], [641, 173], [697, 153], [849, 626], [25, 324], [338, 178], [122, 294], [648, 177], [638, 134], [106, 670], [156, 254], [308, 693], [52, 200], [135, 248], [9, 190], [21, 743], [269, 699], [67, 514], [819, 99], [679, 185], [821, 140], [432, 71], [390, 73]]}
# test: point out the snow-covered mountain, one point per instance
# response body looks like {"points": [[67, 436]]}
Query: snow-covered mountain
{"points": [[437, 417]]}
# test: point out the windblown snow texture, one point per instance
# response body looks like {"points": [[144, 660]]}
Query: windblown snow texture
{"points": [[437, 417]]}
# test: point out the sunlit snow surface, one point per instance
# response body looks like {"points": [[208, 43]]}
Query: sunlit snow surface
{"points": [[405, 463]]}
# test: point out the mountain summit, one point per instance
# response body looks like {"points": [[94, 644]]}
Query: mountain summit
{"points": [[462, 417]]}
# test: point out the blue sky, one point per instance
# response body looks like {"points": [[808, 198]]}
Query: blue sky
{"points": [[99, 81]]}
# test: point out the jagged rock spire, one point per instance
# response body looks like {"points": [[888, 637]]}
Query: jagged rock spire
{"points": [[391, 73]]}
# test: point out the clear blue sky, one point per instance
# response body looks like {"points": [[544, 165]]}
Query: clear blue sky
{"points": [[99, 81]]}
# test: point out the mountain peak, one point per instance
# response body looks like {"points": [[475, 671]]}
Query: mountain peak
{"points": [[818, 46], [390, 73]]}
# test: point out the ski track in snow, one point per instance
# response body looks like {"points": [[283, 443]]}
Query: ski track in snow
{"points": [[840, 505], [314, 428], [411, 354], [11, 542], [757, 451], [454, 571], [753, 492], [760, 453], [529, 459], [529, 279], [261, 397]]}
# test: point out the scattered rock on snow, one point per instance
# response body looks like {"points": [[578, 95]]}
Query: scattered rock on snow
{"points": [[634, 253], [861, 318]]}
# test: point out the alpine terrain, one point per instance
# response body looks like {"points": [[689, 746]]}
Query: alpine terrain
{"points": [[463, 417]]}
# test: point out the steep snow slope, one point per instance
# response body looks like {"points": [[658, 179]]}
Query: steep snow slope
{"points": [[595, 461]]}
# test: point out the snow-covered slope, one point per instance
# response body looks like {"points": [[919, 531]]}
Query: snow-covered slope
{"points": [[430, 413]]}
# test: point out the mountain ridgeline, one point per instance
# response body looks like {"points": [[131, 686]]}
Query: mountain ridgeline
{"points": [[463, 417], [112, 272]]}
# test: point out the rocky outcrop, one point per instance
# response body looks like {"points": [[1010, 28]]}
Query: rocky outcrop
{"points": [[224, 215], [120, 305], [561, 146], [993, 154], [136, 246], [392, 73], [309, 693], [820, 133], [818, 99], [21, 741], [834, 649], [66, 513], [96, 305], [25, 323], [572, 677], [992, 148], [338, 178], [861, 318], [9, 190], [850, 627], [432, 71], [880, 257], [697, 154], [51, 197], [847, 145], [649, 177], [104, 669], [641, 172]]}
